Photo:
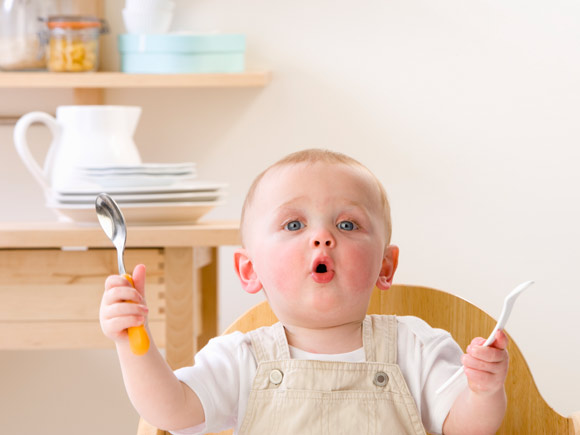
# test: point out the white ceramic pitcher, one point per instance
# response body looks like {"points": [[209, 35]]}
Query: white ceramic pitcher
{"points": [[81, 136]]}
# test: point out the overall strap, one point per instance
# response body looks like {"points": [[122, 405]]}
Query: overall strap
{"points": [[269, 343], [380, 338]]}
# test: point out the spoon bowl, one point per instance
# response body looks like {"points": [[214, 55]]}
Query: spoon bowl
{"points": [[113, 224]]}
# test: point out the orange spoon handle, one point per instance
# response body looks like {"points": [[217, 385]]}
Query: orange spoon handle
{"points": [[138, 338]]}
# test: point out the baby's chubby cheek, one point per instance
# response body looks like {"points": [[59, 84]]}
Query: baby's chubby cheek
{"points": [[283, 282], [280, 269], [360, 269]]}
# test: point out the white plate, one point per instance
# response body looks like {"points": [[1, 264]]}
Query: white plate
{"points": [[142, 214], [98, 174], [137, 180], [150, 168], [142, 198], [180, 187]]}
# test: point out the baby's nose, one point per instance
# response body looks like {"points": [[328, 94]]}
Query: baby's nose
{"points": [[323, 238]]}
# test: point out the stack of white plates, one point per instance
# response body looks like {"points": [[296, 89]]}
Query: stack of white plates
{"points": [[147, 194], [147, 174]]}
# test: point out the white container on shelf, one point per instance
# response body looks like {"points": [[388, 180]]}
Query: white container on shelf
{"points": [[138, 5], [148, 16], [147, 21]]}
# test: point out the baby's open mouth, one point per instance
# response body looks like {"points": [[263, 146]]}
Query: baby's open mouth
{"points": [[323, 271]]}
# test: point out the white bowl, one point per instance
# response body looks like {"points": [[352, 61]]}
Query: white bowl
{"points": [[140, 5], [152, 21]]}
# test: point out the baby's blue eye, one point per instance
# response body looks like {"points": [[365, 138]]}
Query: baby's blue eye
{"points": [[294, 226], [347, 226]]}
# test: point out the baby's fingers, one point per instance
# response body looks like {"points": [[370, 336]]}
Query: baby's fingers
{"points": [[483, 382], [117, 327], [139, 278], [116, 281], [120, 294], [487, 354], [501, 340], [116, 318], [124, 309], [495, 366], [484, 377], [485, 366]]}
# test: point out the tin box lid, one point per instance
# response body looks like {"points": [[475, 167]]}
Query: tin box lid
{"points": [[181, 43]]}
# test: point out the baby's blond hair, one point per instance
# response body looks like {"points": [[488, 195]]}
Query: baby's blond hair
{"points": [[315, 155]]}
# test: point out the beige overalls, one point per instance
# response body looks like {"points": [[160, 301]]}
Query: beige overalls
{"points": [[300, 397]]}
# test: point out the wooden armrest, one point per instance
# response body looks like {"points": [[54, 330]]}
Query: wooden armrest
{"points": [[575, 427]]}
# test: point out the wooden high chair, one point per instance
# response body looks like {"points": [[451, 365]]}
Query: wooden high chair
{"points": [[527, 412]]}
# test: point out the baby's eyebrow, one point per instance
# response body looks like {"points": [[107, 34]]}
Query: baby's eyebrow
{"points": [[356, 205], [292, 203]]}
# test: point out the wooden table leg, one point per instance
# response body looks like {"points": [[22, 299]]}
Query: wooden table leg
{"points": [[207, 271], [179, 307], [191, 302]]}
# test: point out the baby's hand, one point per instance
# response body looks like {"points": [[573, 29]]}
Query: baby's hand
{"points": [[122, 305], [486, 367]]}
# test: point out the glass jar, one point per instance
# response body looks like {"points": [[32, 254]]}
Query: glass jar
{"points": [[21, 47], [73, 43]]}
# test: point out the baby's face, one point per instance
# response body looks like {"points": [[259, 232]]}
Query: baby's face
{"points": [[316, 236]]}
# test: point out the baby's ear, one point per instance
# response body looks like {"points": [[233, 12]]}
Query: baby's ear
{"points": [[388, 267], [246, 273]]}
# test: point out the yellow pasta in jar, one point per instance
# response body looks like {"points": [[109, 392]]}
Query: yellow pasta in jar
{"points": [[73, 46]]}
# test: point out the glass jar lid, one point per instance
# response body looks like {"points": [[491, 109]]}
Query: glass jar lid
{"points": [[76, 22]]}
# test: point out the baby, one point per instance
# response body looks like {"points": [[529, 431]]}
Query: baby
{"points": [[316, 240]]}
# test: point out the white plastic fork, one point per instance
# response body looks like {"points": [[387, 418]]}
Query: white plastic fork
{"points": [[508, 304]]}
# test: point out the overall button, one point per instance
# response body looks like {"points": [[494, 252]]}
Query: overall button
{"points": [[381, 379], [276, 377]]}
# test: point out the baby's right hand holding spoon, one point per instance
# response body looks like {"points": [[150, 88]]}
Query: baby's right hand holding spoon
{"points": [[123, 306]]}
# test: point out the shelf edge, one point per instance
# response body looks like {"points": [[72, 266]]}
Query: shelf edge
{"points": [[111, 80]]}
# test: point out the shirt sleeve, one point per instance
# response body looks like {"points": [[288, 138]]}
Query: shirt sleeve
{"points": [[428, 357], [215, 378]]}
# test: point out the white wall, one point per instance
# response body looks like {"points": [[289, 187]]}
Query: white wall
{"points": [[467, 111]]}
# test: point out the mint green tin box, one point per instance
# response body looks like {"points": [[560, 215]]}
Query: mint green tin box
{"points": [[182, 53]]}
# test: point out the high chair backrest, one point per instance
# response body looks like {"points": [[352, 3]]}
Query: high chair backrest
{"points": [[527, 412]]}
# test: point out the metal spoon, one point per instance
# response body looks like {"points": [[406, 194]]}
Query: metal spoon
{"points": [[113, 224], [508, 304]]}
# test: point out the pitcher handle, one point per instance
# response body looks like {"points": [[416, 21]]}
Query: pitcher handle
{"points": [[23, 150]]}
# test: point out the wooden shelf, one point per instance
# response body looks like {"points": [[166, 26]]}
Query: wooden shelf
{"points": [[29, 235], [108, 80]]}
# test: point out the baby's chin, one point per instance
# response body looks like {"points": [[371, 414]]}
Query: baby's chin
{"points": [[322, 315], [322, 324]]}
